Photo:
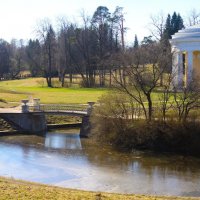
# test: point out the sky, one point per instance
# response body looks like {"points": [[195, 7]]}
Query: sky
{"points": [[19, 18]]}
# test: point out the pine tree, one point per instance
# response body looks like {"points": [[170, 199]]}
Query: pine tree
{"points": [[168, 28], [173, 25], [180, 22], [136, 44]]}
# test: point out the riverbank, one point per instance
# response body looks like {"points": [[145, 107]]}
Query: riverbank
{"points": [[17, 189], [158, 136], [66, 161]]}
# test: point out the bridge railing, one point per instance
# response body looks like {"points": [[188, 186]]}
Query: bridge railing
{"points": [[35, 106], [59, 107]]}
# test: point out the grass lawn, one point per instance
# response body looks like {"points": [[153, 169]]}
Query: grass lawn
{"points": [[11, 189], [15, 90]]}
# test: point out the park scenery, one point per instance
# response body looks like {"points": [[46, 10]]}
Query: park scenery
{"points": [[88, 113]]}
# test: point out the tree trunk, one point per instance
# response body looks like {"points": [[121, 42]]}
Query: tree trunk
{"points": [[49, 67], [110, 78], [161, 79], [70, 77], [149, 106], [122, 35], [49, 83], [63, 80]]}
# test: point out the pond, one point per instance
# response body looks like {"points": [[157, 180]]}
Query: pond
{"points": [[61, 158]]}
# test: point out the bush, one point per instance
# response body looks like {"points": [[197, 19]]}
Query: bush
{"points": [[110, 124]]}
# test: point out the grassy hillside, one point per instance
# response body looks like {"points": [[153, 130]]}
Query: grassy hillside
{"points": [[15, 90]]}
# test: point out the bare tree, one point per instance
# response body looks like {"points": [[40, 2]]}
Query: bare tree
{"points": [[4, 58], [186, 100], [85, 52], [193, 17], [47, 38], [157, 25], [34, 57], [166, 94], [143, 75], [65, 48], [17, 57]]}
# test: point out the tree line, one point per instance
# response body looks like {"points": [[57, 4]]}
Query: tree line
{"points": [[94, 49]]}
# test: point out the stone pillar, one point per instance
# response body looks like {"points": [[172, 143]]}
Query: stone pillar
{"points": [[36, 104], [25, 107], [189, 67], [86, 126], [90, 107]]}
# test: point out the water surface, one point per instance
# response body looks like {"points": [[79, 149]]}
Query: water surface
{"points": [[61, 158]]}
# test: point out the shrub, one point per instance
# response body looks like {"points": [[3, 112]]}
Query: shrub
{"points": [[111, 124]]}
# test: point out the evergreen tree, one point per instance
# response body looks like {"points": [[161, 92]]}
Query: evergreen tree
{"points": [[173, 25], [136, 44], [147, 41], [176, 22], [168, 28], [180, 22]]}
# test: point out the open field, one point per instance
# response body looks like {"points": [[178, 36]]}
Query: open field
{"points": [[14, 189], [15, 90]]}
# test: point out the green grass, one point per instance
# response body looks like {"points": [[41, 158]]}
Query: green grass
{"points": [[15, 90], [14, 189]]}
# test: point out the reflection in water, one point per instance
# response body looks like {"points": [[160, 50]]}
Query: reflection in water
{"points": [[65, 160], [63, 141]]}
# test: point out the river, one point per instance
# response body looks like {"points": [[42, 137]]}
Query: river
{"points": [[61, 158]]}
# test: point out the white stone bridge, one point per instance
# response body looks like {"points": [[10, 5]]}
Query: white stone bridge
{"points": [[31, 117]]}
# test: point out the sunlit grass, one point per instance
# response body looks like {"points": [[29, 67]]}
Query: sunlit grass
{"points": [[15, 90], [14, 189]]}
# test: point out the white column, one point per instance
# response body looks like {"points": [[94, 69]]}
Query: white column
{"points": [[177, 69], [189, 67], [180, 69]]}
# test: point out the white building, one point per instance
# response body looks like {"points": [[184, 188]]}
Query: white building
{"points": [[186, 55]]}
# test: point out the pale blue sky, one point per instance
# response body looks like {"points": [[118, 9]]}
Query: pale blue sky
{"points": [[18, 18]]}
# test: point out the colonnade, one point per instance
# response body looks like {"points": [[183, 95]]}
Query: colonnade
{"points": [[186, 67]]}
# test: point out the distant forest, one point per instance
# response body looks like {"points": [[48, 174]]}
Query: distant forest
{"points": [[93, 50]]}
